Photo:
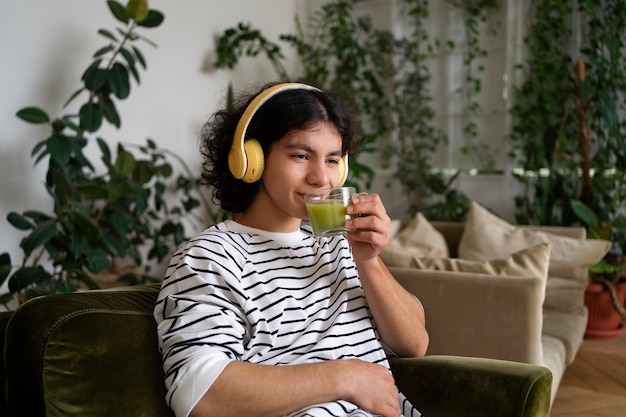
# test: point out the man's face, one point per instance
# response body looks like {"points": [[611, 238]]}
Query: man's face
{"points": [[303, 161]]}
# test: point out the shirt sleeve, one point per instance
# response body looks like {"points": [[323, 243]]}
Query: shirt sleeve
{"points": [[200, 323]]}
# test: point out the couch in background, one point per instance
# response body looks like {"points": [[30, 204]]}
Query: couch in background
{"points": [[95, 354], [511, 299]]}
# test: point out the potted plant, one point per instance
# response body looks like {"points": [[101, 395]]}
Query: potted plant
{"points": [[606, 293], [110, 220]]}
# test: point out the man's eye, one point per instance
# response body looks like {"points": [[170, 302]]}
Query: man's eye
{"points": [[333, 161], [299, 156]]}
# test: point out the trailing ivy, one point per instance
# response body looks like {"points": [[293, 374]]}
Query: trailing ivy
{"points": [[477, 16], [338, 50], [417, 137], [541, 103]]}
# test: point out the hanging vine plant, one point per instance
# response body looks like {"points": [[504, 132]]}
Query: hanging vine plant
{"points": [[417, 137], [337, 50], [539, 132], [386, 79], [478, 14]]}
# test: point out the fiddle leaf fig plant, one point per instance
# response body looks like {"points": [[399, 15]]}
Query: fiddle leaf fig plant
{"points": [[118, 209]]}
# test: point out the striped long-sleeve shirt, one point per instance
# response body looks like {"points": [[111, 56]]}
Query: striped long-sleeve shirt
{"points": [[234, 293]]}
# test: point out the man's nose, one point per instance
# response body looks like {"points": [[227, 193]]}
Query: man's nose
{"points": [[318, 173]]}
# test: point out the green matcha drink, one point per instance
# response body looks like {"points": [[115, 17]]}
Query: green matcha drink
{"points": [[327, 210], [325, 216]]}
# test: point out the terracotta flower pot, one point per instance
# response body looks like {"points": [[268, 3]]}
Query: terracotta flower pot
{"points": [[604, 322]]}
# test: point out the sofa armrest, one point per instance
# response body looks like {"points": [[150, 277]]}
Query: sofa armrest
{"points": [[479, 315], [93, 354], [443, 386]]}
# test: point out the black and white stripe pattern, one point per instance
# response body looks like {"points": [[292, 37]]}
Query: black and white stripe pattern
{"points": [[236, 293]]}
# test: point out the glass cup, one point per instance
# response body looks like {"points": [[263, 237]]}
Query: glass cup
{"points": [[327, 211]]}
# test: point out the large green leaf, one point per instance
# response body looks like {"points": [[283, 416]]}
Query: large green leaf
{"points": [[140, 194], [90, 117], [113, 245], [33, 115], [26, 276], [97, 260], [78, 243], [139, 57], [40, 236], [120, 221], [159, 190], [37, 216], [117, 188], [86, 226], [118, 11], [66, 122], [19, 222], [165, 170], [118, 80], [137, 9], [59, 148], [152, 20], [62, 184], [82, 162], [143, 172], [107, 34], [104, 148], [110, 112], [94, 77], [5, 259], [125, 163], [102, 51], [128, 56]]}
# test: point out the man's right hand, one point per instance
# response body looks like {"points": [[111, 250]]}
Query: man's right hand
{"points": [[371, 387]]}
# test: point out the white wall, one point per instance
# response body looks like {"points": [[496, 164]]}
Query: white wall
{"points": [[46, 45]]}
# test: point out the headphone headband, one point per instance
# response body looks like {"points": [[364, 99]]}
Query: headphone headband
{"points": [[245, 159], [237, 148]]}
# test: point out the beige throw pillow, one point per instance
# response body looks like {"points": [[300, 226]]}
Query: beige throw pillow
{"points": [[531, 262], [486, 237], [418, 238]]}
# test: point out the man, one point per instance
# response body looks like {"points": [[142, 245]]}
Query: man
{"points": [[258, 317]]}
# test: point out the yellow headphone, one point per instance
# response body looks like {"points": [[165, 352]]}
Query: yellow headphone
{"points": [[245, 159]]}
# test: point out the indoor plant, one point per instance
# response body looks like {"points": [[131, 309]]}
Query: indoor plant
{"points": [[122, 213], [384, 77], [606, 292]]}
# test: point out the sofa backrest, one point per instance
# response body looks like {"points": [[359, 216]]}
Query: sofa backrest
{"points": [[562, 293], [85, 354]]}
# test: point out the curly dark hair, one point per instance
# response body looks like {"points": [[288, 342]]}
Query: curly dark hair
{"points": [[289, 110]]}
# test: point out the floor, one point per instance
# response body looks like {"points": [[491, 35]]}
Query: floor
{"points": [[594, 385]]}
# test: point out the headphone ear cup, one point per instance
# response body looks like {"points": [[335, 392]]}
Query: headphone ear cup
{"points": [[256, 160], [236, 162], [343, 170]]}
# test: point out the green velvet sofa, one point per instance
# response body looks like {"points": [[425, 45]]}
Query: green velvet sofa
{"points": [[95, 354]]}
